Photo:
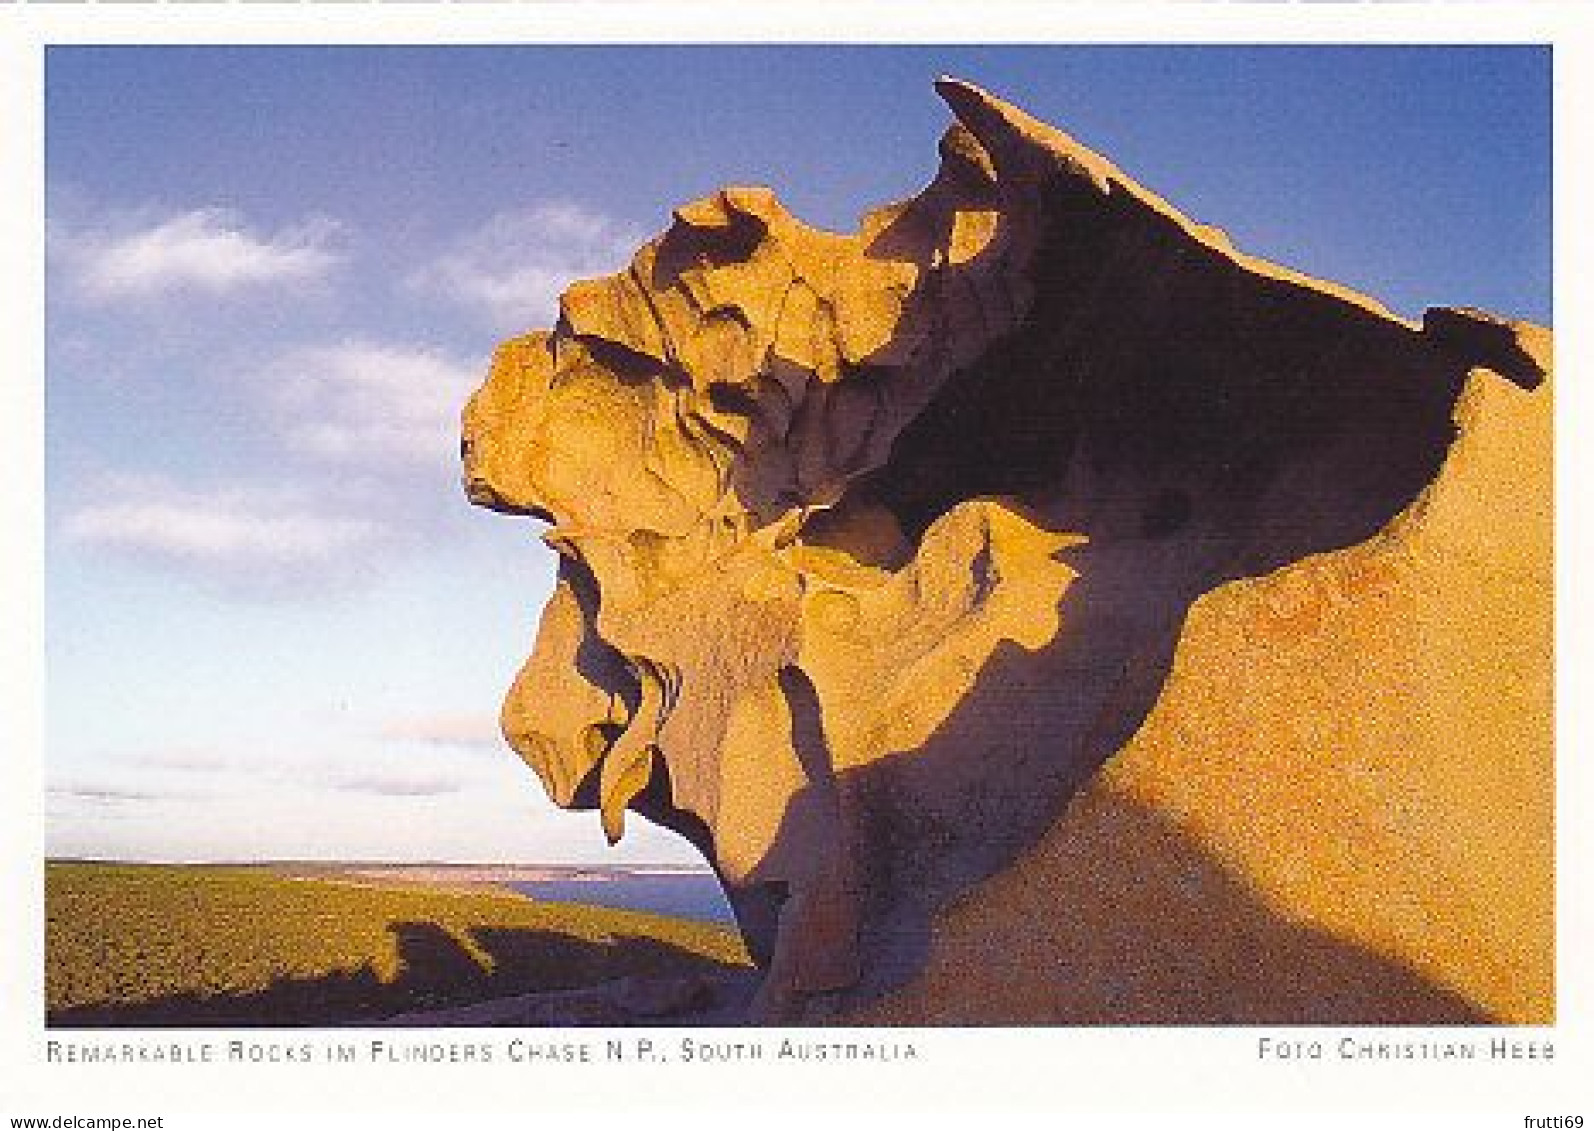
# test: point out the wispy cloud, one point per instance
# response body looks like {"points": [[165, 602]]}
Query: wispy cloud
{"points": [[248, 536], [102, 793], [111, 794], [210, 250], [177, 774], [512, 269], [459, 730], [187, 760], [400, 783], [364, 440], [364, 403]]}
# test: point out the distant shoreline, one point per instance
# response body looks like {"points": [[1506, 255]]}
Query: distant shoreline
{"points": [[693, 894], [426, 872]]}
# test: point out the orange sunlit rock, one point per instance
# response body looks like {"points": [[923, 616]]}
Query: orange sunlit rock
{"points": [[1039, 611]]}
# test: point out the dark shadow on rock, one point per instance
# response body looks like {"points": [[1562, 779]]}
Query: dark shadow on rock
{"points": [[436, 970]]}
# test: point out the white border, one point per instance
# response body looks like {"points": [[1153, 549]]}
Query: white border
{"points": [[1116, 1071]]}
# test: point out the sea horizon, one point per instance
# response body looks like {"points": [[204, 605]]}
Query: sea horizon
{"points": [[563, 869]]}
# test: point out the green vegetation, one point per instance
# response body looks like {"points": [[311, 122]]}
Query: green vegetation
{"points": [[185, 945]]}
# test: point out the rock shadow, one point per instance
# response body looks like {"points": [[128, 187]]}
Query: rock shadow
{"points": [[437, 968]]}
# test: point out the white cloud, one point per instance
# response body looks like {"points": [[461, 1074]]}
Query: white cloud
{"points": [[106, 794], [186, 760], [115, 791], [461, 730], [210, 250], [399, 783], [365, 404], [249, 537], [364, 440], [512, 269], [378, 769]]}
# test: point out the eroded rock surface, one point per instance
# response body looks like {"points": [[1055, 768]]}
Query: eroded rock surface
{"points": [[875, 548]]}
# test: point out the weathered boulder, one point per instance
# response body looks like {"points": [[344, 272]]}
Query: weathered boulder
{"points": [[875, 549]]}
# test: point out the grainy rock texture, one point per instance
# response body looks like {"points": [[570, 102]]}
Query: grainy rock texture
{"points": [[1038, 610]]}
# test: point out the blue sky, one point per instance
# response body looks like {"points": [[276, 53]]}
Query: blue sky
{"points": [[274, 628]]}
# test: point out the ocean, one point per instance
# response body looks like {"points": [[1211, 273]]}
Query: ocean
{"points": [[683, 895]]}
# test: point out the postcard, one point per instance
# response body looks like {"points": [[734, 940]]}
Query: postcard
{"points": [[634, 559]]}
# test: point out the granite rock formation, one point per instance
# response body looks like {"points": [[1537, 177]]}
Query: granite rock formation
{"points": [[1038, 610]]}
